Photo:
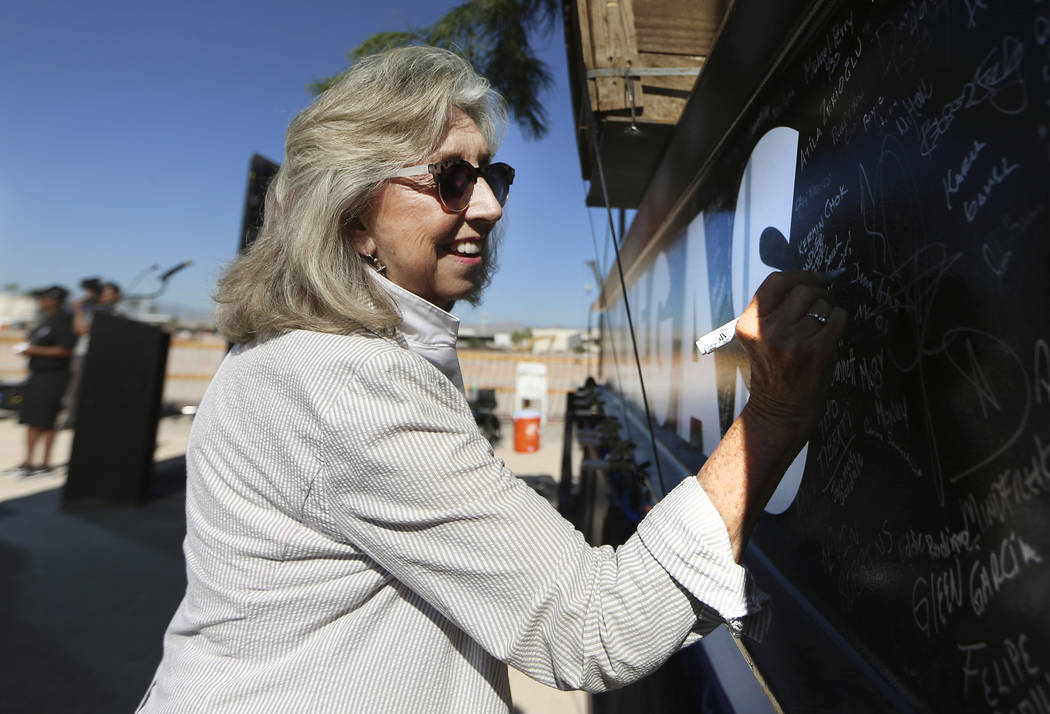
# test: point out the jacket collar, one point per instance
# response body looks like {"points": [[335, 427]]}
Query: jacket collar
{"points": [[426, 329]]}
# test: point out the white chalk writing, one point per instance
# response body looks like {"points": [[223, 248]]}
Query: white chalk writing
{"points": [[999, 173], [954, 179], [998, 673], [1010, 489]]}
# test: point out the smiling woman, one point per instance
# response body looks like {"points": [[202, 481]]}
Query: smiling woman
{"points": [[434, 251], [353, 544], [345, 158]]}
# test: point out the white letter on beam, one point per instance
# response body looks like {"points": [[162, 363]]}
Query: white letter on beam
{"points": [[698, 388], [765, 198], [661, 341]]}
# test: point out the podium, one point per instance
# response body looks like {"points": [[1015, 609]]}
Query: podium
{"points": [[118, 406]]}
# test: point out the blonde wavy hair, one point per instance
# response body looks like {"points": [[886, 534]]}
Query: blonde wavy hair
{"points": [[387, 111]]}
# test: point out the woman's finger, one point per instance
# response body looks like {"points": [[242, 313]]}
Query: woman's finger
{"points": [[800, 300], [777, 286], [817, 315], [836, 326]]}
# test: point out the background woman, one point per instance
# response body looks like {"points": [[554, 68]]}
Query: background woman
{"points": [[49, 348], [353, 545]]}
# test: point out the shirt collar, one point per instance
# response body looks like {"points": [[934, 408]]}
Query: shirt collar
{"points": [[428, 330]]}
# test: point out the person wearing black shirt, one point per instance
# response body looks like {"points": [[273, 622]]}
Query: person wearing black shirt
{"points": [[98, 297], [49, 348]]}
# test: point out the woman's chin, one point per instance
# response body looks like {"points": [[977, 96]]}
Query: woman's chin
{"points": [[470, 292]]}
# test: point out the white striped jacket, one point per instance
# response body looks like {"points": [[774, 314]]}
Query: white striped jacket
{"points": [[353, 545]]}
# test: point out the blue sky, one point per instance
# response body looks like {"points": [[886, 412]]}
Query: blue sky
{"points": [[126, 129]]}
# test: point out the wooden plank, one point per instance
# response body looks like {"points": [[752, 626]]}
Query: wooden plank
{"points": [[676, 27], [619, 15], [600, 41], [664, 98], [612, 35], [583, 14], [608, 34]]}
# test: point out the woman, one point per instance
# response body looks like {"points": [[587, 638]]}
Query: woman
{"points": [[49, 348], [352, 543]]}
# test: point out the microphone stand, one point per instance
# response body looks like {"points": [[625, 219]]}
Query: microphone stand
{"points": [[164, 277]]}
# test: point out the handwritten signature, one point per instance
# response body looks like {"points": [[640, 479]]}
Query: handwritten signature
{"points": [[997, 80]]}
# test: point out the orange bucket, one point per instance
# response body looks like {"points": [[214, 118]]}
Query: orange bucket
{"points": [[526, 430]]}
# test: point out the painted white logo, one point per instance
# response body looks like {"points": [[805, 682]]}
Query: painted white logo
{"points": [[764, 201], [765, 198]]}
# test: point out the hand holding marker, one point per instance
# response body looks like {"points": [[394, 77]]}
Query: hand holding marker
{"points": [[722, 336], [775, 251]]}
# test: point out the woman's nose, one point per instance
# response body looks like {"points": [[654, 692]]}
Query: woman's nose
{"points": [[483, 204]]}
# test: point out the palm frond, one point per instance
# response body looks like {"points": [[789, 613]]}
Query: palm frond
{"points": [[494, 36]]}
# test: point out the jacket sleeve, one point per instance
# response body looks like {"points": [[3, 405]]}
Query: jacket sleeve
{"points": [[410, 481]]}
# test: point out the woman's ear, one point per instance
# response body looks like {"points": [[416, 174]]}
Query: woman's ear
{"points": [[355, 231]]}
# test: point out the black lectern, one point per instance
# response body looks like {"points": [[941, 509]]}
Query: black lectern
{"points": [[117, 411]]}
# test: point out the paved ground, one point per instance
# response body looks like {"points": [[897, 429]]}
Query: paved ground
{"points": [[86, 595]]}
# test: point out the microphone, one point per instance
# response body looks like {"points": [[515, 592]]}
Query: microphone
{"points": [[171, 271]]}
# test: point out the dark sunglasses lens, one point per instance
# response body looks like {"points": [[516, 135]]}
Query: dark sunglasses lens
{"points": [[456, 184], [456, 181], [499, 178]]}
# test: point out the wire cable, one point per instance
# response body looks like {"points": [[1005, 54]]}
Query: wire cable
{"points": [[626, 303], [585, 104]]}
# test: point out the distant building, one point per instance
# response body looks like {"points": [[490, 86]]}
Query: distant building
{"points": [[555, 339], [16, 310], [538, 340]]}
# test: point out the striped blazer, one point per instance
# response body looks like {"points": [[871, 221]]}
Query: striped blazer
{"points": [[354, 545]]}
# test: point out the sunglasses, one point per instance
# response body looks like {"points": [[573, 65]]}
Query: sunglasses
{"points": [[455, 180]]}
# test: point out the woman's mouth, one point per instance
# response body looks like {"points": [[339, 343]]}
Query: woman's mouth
{"points": [[464, 248]]}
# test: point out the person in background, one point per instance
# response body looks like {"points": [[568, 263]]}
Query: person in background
{"points": [[110, 296], [353, 544], [98, 297], [49, 348]]}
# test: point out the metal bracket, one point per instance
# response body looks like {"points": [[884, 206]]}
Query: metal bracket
{"points": [[643, 72], [631, 73]]}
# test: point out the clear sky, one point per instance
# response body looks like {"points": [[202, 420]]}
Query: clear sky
{"points": [[126, 129]]}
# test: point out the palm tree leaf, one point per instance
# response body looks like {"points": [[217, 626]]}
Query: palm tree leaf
{"points": [[494, 36]]}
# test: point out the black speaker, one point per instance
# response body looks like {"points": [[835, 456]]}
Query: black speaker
{"points": [[121, 385], [260, 172], [10, 396]]}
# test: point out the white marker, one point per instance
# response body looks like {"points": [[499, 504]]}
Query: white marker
{"points": [[722, 336], [716, 338]]}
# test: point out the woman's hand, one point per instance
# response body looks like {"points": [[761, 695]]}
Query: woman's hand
{"points": [[792, 356], [46, 351], [792, 353]]}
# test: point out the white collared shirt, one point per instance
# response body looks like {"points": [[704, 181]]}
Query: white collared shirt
{"points": [[427, 330]]}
